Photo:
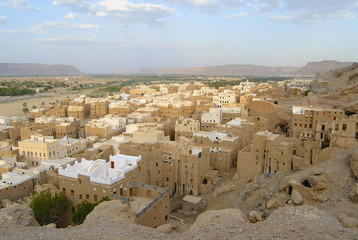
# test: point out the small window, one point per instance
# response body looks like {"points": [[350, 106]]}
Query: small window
{"points": [[344, 127], [87, 196]]}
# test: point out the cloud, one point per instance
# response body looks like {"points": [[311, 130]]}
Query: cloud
{"points": [[67, 40], [18, 4], [2, 19], [58, 25], [75, 5], [123, 11], [303, 12], [70, 15], [285, 11], [128, 12], [208, 6], [9, 31], [239, 15], [311, 12], [306, 18]]}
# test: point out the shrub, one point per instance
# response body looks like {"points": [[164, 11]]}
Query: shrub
{"points": [[48, 208]]}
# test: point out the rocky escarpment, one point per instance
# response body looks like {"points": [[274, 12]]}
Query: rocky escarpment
{"points": [[33, 69], [233, 69]]}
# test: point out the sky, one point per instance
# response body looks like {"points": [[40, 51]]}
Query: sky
{"points": [[119, 36]]}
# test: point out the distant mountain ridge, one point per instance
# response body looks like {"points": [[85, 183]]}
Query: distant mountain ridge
{"points": [[34, 69], [239, 69]]}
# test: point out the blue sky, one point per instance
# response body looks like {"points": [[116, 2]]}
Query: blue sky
{"points": [[114, 36]]}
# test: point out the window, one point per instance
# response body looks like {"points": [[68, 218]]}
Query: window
{"points": [[95, 198], [87, 196], [72, 193], [80, 196], [344, 127]]}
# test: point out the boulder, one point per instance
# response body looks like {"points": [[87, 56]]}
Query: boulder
{"points": [[51, 225], [166, 229], [353, 195], [354, 164], [347, 222], [352, 107], [275, 114], [296, 197], [17, 214], [222, 190], [7, 203], [113, 211], [219, 218], [274, 203], [48, 187], [255, 216], [321, 184]]}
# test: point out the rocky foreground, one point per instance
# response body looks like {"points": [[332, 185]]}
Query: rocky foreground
{"points": [[113, 220], [327, 210]]}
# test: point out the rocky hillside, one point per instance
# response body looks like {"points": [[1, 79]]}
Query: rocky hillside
{"points": [[33, 69], [302, 222], [340, 77], [237, 69], [341, 91], [321, 205], [321, 67]]}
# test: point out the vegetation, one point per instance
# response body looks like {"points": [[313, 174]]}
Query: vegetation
{"points": [[25, 110], [49, 209], [15, 91], [83, 209]]}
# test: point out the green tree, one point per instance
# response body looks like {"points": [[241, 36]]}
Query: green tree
{"points": [[25, 110], [83, 209], [48, 208]]}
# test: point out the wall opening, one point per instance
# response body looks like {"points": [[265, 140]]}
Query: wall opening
{"points": [[289, 190], [306, 183]]}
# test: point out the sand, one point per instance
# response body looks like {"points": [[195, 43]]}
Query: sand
{"points": [[12, 106]]}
